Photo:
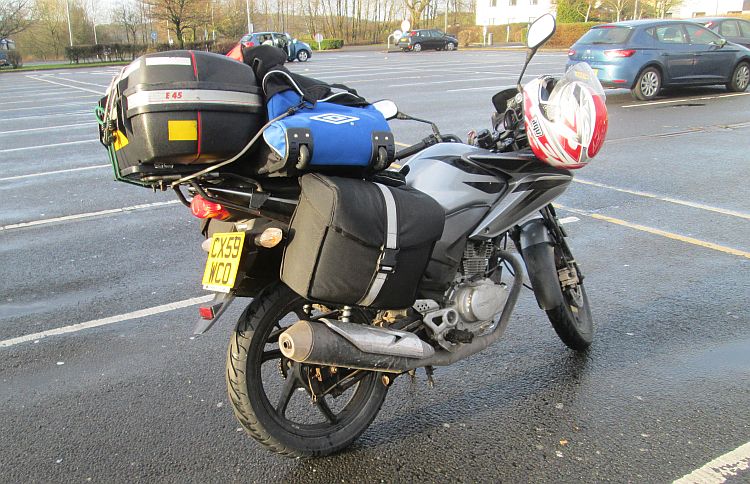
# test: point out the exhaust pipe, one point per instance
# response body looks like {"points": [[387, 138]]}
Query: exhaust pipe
{"points": [[336, 343]]}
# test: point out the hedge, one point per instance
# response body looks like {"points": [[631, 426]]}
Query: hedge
{"points": [[327, 44], [103, 52], [567, 34]]}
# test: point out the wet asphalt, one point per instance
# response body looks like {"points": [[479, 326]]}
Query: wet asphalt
{"points": [[661, 224]]}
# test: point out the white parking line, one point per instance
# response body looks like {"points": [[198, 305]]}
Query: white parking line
{"points": [[67, 126], [65, 85], [677, 201], [721, 468], [37, 116], [672, 101], [51, 106], [105, 321], [38, 147], [79, 216], [450, 81], [56, 172], [103, 86], [36, 98]]}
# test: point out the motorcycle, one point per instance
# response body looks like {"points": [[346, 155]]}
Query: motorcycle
{"points": [[306, 378]]}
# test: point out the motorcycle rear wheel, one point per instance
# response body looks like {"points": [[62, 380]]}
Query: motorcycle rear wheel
{"points": [[288, 420]]}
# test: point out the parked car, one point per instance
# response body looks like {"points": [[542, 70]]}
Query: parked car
{"points": [[417, 40], [733, 29], [295, 49], [646, 55]]}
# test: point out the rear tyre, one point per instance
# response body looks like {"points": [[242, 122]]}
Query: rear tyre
{"points": [[740, 78], [647, 85], [271, 395], [417, 48]]}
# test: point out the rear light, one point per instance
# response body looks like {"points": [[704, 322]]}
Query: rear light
{"points": [[412, 33], [709, 24], [618, 53], [605, 26], [619, 81], [571, 53], [202, 208], [248, 44]]}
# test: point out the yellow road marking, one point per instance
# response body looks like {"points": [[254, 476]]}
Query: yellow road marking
{"points": [[662, 233]]}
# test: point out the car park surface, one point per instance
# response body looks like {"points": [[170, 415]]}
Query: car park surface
{"points": [[101, 379], [648, 55]]}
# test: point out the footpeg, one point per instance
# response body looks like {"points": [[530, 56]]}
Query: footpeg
{"points": [[456, 336]]}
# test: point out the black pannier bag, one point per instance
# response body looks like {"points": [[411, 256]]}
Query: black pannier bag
{"points": [[174, 113], [355, 242]]}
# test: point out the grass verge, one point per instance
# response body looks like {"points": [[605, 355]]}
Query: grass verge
{"points": [[46, 67]]}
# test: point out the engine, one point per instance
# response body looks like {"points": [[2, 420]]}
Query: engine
{"points": [[474, 302]]}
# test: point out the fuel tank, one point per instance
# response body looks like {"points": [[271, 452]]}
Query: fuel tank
{"points": [[466, 192], [483, 194]]}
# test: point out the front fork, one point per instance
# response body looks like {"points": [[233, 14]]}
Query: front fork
{"points": [[552, 269]]}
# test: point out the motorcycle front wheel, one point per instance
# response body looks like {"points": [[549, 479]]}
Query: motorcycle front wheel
{"points": [[570, 314], [294, 409]]}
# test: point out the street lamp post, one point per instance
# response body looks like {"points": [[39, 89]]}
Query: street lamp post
{"points": [[70, 30], [249, 24]]}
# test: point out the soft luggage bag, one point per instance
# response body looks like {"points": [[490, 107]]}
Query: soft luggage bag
{"points": [[326, 137], [176, 112], [354, 242]]}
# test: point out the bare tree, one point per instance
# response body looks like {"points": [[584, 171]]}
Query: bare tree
{"points": [[617, 7], [182, 15], [15, 17], [416, 8]]}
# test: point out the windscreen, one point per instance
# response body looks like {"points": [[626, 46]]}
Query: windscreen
{"points": [[606, 35]]}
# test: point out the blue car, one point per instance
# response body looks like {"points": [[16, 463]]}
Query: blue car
{"points": [[646, 55], [295, 49]]}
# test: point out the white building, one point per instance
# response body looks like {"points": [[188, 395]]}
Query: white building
{"points": [[701, 8], [502, 12]]}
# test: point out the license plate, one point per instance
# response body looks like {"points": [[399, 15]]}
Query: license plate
{"points": [[223, 261]]}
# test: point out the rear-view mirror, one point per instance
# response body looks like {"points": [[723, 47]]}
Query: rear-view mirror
{"points": [[387, 108], [540, 31]]}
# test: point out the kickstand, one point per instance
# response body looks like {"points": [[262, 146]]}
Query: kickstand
{"points": [[430, 371]]}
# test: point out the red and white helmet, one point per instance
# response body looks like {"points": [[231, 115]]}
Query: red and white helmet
{"points": [[566, 124]]}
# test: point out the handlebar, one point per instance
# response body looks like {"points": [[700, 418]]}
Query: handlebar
{"points": [[426, 143], [416, 148]]}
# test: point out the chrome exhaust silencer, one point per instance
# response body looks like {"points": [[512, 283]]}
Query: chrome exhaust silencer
{"points": [[336, 343]]}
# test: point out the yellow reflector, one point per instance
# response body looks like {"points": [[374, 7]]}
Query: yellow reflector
{"points": [[121, 140], [183, 130], [269, 238]]}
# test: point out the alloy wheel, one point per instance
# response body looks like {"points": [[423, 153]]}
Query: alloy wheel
{"points": [[742, 77], [650, 84]]}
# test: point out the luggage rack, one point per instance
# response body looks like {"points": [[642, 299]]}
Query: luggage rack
{"points": [[217, 188]]}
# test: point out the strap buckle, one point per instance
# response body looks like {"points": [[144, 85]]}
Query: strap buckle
{"points": [[387, 261]]}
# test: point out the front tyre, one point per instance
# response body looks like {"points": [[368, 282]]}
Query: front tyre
{"points": [[450, 46], [558, 286], [647, 85], [293, 409], [740, 78]]}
